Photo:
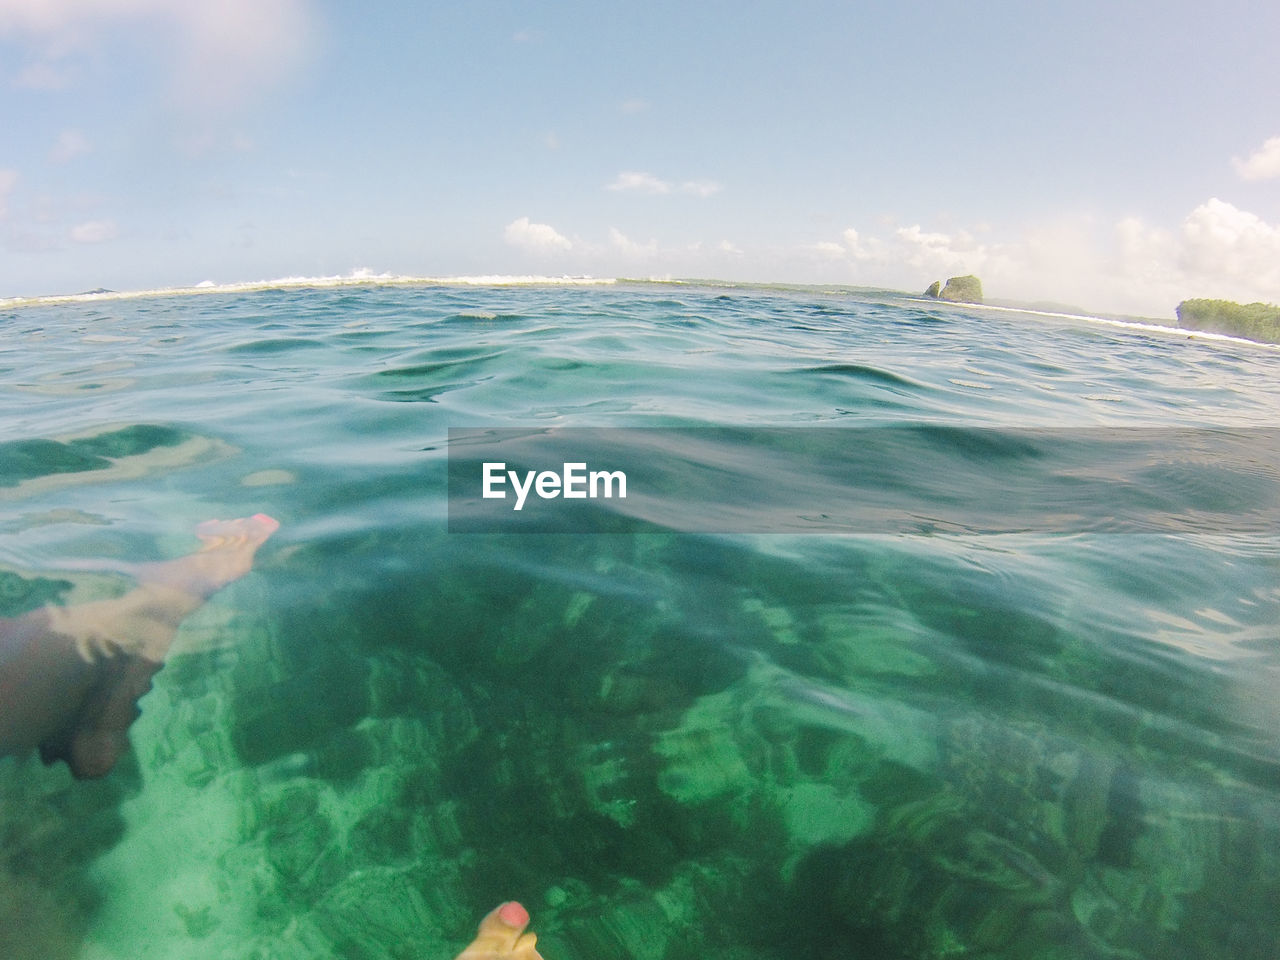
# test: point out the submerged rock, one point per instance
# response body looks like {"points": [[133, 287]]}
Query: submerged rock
{"points": [[704, 760]]}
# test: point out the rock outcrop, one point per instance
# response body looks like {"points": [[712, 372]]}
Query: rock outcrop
{"points": [[966, 289], [934, 289]]}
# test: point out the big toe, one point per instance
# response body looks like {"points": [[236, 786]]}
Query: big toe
{"points": [[501, 935], [513, 915]]}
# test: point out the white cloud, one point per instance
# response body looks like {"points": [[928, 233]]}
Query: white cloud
{"points": [[908, 249], [43, 75], [941, 253], [1042, 264], [50, 15], [641, 182], [8, 178], [70, 144], [630, 248], [1146, 255], [235, 46], [1231, 248], [535, 237], [615, 253], [830, 251], [94, 231], [219, 51], [854, 247], [860, 249], [1218, 251], [1128, 266], [201, 141], [700, 188], [1262, 164]]}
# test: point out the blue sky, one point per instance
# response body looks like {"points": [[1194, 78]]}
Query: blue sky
{"points": [[1116, 155]]}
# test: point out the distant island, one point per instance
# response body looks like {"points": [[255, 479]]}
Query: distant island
{"points": [[967, 289], [1254, 321], [1251, 321]]}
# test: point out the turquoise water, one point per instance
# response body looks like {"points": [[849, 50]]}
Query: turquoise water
{"points": [[667, 745]]}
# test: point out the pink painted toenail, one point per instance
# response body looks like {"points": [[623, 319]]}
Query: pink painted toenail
{"points": [[513, 915]]}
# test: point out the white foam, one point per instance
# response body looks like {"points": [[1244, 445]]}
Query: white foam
{"points": [[360, 277]]}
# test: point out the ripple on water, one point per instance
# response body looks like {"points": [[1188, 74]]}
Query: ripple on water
{"points": [[1060, 744]]}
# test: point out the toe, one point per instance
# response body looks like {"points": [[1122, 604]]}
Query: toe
{"points": [[514, 915], [501, 936]]}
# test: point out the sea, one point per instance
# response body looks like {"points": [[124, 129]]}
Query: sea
{"points": [[914, 731]]}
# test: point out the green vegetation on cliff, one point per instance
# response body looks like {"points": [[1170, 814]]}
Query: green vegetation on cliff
{"points": [[967, 289], [1256, 321]]}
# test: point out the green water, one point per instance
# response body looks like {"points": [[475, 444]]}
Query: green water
{"points": [[667, 745]]}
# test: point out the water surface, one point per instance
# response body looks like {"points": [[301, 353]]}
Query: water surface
{"points": [[667, 745]]}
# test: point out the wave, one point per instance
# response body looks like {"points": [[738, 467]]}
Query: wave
{"points": [[366, 277], [356, 278]]}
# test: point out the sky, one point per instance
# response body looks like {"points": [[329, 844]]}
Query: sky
{"points": [[1115, 155]]}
